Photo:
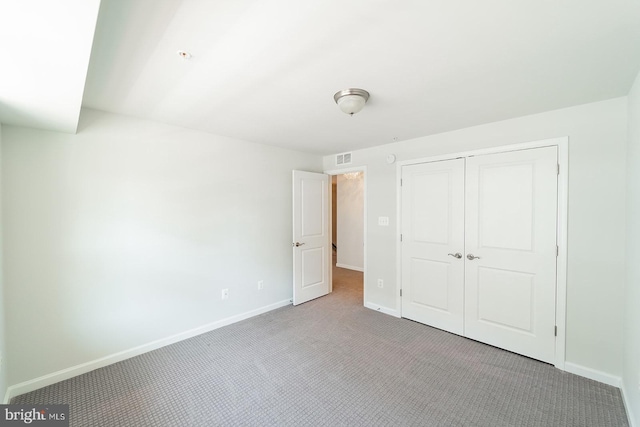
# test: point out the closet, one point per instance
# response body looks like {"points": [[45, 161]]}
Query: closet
{"points": [[479, 247]]}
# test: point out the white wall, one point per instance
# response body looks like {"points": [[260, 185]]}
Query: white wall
{"points": [[350, 222], [126, 233], [597, 149], [631, 377], [3, 347]]}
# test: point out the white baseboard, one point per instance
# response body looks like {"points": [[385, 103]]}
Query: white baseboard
{"points": [[7, 398], [349, 267], [382, 309], [65, 374], [592, 374], [627, 406]]}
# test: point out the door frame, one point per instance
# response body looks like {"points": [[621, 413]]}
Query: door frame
{"points": [[562, 144], [333, 172]]}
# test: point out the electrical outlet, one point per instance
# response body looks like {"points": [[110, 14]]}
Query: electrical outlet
{"points": [[383, 221], [380, 283], [260, 285], [225, 293]]}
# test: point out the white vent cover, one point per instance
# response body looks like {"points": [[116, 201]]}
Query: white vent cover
{"points": [[343, 159]]}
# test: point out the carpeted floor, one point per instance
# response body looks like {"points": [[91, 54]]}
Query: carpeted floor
{"points": [[331, 362]]}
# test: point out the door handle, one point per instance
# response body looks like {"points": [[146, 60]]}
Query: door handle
{"points": [[456, 255], [471, 257], [296, 244]]}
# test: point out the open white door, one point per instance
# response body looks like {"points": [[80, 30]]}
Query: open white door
{"points": [[311, 236]]}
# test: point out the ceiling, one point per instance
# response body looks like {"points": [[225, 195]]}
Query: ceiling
{"points": [[266, 71], [45, 48]]}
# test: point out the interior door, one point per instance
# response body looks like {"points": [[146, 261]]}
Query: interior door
{"points": [[311, 236], [510, 284], [432, 199]]}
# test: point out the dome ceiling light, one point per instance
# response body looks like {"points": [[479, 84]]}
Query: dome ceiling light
{"points": [[351, 101]]}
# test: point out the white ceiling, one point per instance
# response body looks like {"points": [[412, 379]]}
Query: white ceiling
{"points": [[267, 71], [44, 55]]}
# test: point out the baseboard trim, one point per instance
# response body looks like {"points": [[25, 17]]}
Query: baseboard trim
{"points": [[593, 374], [382, 309], [627, 406], [7, 398], [83, 368], [349, 267]]}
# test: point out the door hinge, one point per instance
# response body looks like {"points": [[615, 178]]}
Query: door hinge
{"points": [[400, 292], [555, 331], [400, 182], [401, 237], [557, 250], [558, 169]]}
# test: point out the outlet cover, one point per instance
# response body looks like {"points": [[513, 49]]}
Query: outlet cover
{"points": [[380, 283], [225, 293]]}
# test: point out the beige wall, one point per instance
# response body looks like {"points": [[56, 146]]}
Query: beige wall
{"points": [[596, 261]]}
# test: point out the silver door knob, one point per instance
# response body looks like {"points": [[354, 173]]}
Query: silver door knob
{"points": [[456, 255], [470, 257], [296, 244]]}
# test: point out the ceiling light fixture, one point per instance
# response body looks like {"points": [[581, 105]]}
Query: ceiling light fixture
{"points": [[351, 101], [352, 175]]}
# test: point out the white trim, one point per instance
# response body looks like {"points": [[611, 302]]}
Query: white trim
{"points": [[483, 151], [330, 214], [381, 309], [627, 405], [349, 267], [563, 253], [7, 397], [562, 143], [593, 374], [398, 235], [83, 368], [362, 169]]}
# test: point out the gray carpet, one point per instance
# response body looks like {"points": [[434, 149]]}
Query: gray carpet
{"points": [[331, 362]]}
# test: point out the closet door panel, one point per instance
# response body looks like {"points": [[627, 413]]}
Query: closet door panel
{"points": [[510, 269], [432, 209]]}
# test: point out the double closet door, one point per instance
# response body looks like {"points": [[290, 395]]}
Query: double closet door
{"points": [[479, 248]]}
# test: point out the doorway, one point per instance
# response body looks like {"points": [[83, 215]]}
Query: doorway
{"points": [[348, 230]]}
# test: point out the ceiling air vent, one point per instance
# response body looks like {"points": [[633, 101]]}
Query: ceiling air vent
{"points": [[343, 159]]}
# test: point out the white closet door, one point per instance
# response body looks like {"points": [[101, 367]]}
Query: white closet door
{"points": [[432, 232], [510, 288]]}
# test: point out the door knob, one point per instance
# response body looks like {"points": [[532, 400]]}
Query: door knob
{"points": [[470, 257], [296, 244], [456, 255]]}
